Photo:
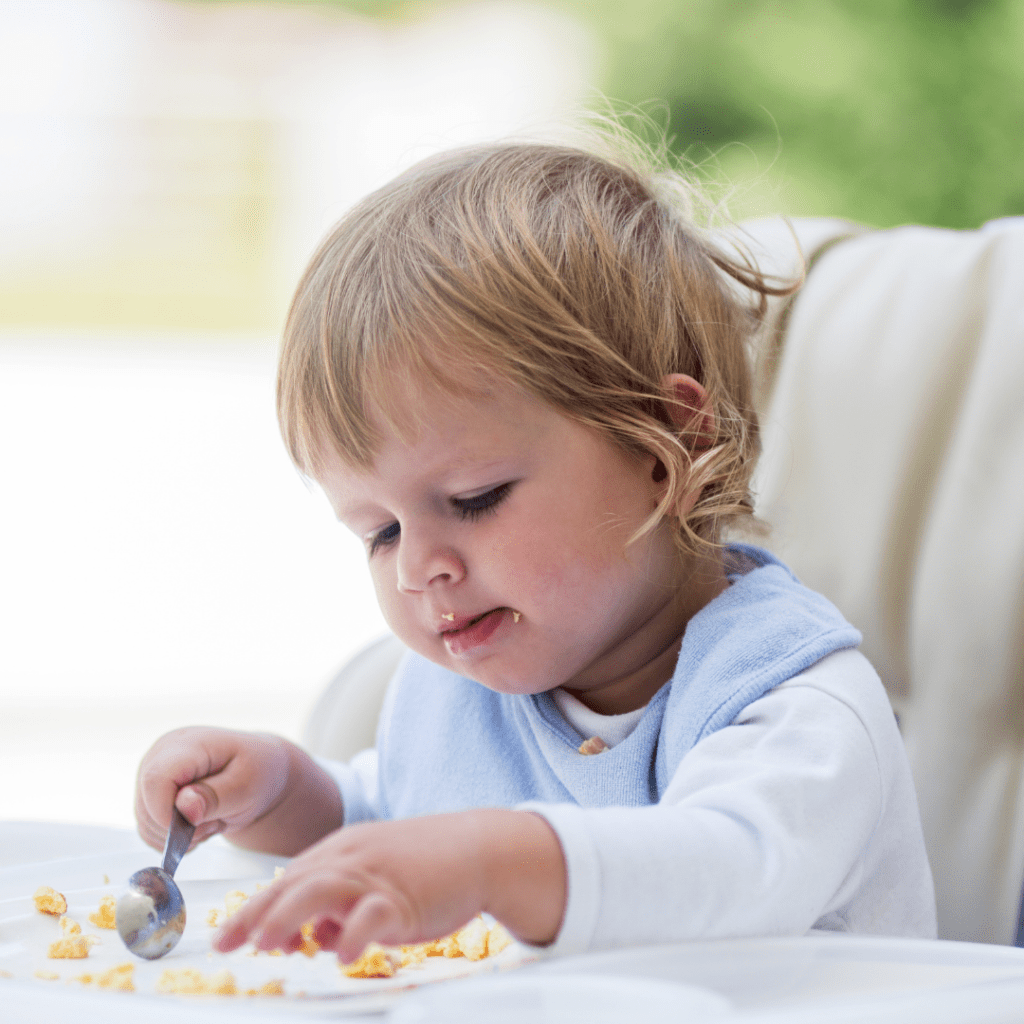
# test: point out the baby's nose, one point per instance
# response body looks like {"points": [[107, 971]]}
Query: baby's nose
{"points": [[423, 563]]}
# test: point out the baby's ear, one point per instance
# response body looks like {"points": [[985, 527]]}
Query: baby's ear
{"points": [[689, 409]]}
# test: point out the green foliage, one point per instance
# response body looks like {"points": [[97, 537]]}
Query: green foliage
{"points": [[882, 111]]}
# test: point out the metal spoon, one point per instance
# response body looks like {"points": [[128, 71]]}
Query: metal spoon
{"points": [[150, 914]]}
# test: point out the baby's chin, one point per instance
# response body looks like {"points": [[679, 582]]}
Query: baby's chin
{"points": [[494, 673]]}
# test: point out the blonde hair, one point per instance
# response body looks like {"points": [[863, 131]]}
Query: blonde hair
{"points": [[580, 279]]}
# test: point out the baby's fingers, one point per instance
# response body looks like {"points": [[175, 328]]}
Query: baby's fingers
{"points": [[374, 918], [244, 921]]}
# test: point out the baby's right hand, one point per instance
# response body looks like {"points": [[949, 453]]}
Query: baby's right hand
{"points": [[220, 780]]}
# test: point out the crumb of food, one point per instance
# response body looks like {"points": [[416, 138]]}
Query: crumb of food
{"points": [[278, 873], [49, 901], [105, 916], [310, 947], [450, 946], [71, 947], [516, 616], [498, 939], [119, 979], [472, 939], [412, 955], [274, 987], [69, 927], [187, 981], [595, 745], [106, 879], [6, 974], [48, 975], [234, 900], [449, 616], [213, 917], [375, 962]]}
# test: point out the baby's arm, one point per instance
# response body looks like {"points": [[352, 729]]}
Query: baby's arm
{"points": [[799, 814], [261, 791], [412, 880]]}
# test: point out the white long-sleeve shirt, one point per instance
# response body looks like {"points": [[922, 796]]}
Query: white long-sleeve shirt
{"points": [[799, 814]]}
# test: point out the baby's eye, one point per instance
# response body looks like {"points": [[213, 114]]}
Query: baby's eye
{"points": [[384, 537], [478, 504]]}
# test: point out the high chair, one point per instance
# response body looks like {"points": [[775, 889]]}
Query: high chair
{"points": [[891, 396]]}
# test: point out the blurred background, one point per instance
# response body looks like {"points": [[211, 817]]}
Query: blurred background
{"points": [[167, 167]]}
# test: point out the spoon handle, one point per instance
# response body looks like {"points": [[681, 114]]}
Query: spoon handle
{"points": [[179, 835]]}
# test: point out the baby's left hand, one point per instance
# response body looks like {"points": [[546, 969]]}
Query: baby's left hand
{"points": [[408, 881]]}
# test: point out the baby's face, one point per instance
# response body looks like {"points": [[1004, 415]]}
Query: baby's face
{"points": [[497, 543]]}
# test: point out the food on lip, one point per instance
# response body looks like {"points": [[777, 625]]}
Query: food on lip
{"points": [[516, 616], [449, 616], [595, 745], [104, 917], [49, 901]]}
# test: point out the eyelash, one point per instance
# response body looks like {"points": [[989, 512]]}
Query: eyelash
{"points": [[467, 508]]}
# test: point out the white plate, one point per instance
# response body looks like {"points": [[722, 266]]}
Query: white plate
{"points": [[25, 935]]}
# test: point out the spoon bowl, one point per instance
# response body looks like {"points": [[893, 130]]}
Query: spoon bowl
{"points": [[150, 914]]}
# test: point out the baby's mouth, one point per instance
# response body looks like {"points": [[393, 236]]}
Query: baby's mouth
{"points": [[460, 624]]}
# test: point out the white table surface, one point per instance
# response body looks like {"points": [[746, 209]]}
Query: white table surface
{"points": [[763, 981]]}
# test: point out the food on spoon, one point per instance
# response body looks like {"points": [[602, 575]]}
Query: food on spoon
{"points": [[49, 901], [104, 916]]}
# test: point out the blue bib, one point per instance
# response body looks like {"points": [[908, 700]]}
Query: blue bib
{"points": [[450, 744]]}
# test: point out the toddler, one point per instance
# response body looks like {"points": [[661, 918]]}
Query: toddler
{"points": [[520, 374]]}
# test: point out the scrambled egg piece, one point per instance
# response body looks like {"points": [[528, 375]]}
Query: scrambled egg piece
{"points": [[310, 947], [595, 745], [119, 979], [274, 987], [104, 917], [376, 962], [71, 947], [233, 900], [475, 942], [187, 981], [49, 901]]}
